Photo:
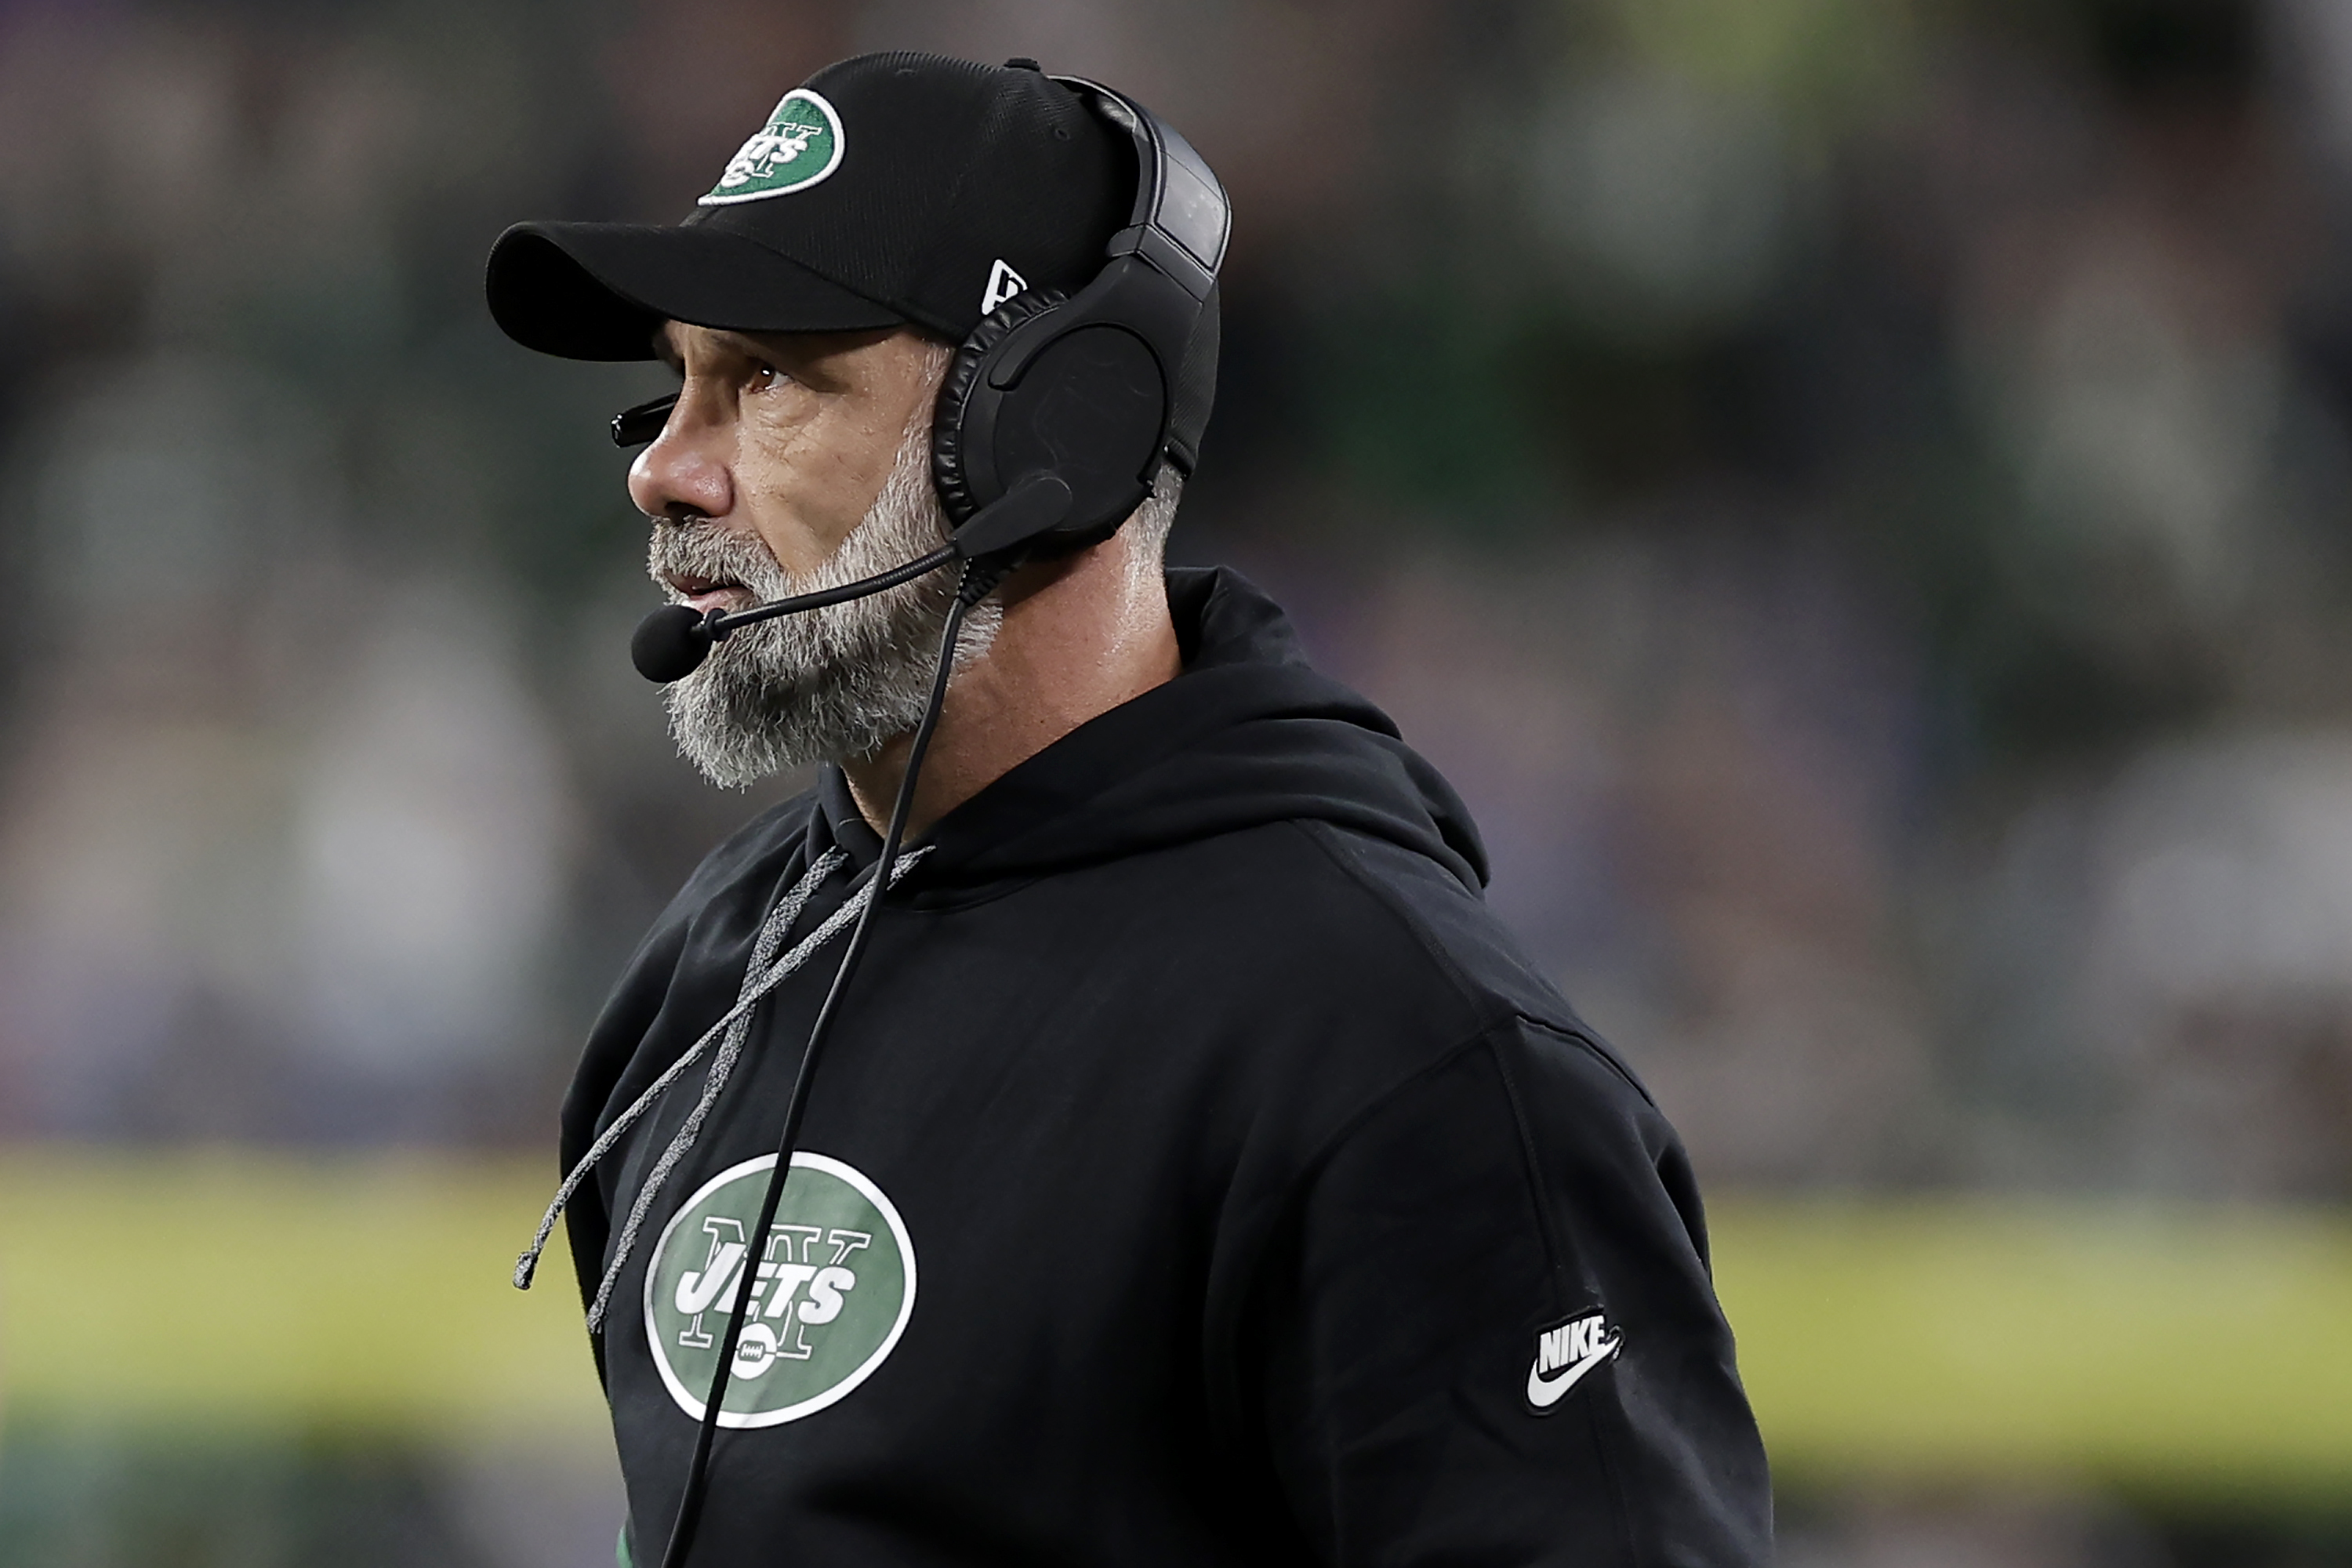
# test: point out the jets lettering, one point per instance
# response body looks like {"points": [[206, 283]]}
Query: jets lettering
{"points": [[760, 155], [780, 1316]]}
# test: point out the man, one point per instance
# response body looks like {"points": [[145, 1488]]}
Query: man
{"points": [[1199, 1174]]}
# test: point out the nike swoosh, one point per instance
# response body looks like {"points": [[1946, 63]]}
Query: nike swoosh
{"points": [[1543, 1393]]}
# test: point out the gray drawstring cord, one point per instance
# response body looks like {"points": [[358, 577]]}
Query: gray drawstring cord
{"points": [[722, 1065], [761, 975], [772, 931]]}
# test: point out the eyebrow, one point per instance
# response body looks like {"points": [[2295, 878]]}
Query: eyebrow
{"points": [[737, 342], [742, 344]]}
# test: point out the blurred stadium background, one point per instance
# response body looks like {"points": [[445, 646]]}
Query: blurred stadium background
{"points": [[1857, 494]]}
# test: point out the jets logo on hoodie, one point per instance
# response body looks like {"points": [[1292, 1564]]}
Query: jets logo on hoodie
{"points": [[830, 1293]]}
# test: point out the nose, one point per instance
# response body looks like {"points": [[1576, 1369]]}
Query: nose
{"points": [[685, 472]]}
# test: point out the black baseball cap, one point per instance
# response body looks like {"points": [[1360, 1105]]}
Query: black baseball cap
{"points": [[888, 190]]}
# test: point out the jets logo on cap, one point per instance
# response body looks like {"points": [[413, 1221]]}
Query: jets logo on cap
{"points": [[800, 144]]}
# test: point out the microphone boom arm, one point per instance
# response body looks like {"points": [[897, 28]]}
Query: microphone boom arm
{"points": [[720, 623], [671, 643]]}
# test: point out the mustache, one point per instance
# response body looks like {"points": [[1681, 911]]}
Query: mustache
{"points": [[707, 552]]}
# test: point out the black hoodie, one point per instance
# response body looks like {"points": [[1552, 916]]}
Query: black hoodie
{"points": [[1198, 1174]]}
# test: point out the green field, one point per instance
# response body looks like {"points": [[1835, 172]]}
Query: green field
{"points": [[234, 1289], [2195, 1354]]}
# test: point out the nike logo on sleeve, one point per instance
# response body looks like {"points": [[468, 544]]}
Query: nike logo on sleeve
{"points": [[1565, 1353]]}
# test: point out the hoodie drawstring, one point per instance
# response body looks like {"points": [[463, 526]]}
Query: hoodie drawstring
{"points": [[761, 974]]}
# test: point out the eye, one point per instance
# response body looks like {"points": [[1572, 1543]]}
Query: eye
{"points": [[764, 376]]}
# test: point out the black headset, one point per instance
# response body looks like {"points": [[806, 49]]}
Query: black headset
{"points": [[1097, 389], [1100, 388]]}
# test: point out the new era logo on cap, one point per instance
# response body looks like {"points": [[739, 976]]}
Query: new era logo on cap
{"points": [[1003, 284]]}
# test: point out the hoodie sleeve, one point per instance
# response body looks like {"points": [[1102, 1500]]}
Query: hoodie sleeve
{"points": [[1496, 1340]]}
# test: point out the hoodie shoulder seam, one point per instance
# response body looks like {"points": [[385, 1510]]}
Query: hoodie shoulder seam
{"points": [[1583, 1041], [1482, 1009], [1487, 1016]]}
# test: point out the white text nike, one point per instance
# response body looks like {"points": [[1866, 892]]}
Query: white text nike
{"points": [[1565, 1353]]}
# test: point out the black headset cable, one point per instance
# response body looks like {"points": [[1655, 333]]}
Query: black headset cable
{"points": [[980, 577]]}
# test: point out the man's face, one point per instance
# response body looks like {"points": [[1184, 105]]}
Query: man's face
{"points": [[793, 463], [784, 438]]}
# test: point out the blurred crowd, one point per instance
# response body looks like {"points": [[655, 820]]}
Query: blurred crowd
{"points": [[1857, 494]]}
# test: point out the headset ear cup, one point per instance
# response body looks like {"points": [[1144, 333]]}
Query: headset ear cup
{"points": [[1195, 391], [970, 364]]}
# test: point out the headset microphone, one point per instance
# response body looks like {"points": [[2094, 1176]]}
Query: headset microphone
{"points": [[671, 643]]}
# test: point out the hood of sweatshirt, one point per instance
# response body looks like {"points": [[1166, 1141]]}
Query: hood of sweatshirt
{"points": [[1248, 734]]}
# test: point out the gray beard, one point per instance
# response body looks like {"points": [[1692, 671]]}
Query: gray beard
{"points": [[832, 685]]}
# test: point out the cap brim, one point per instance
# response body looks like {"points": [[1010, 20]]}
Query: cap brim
{"points": [[598, 291]]}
